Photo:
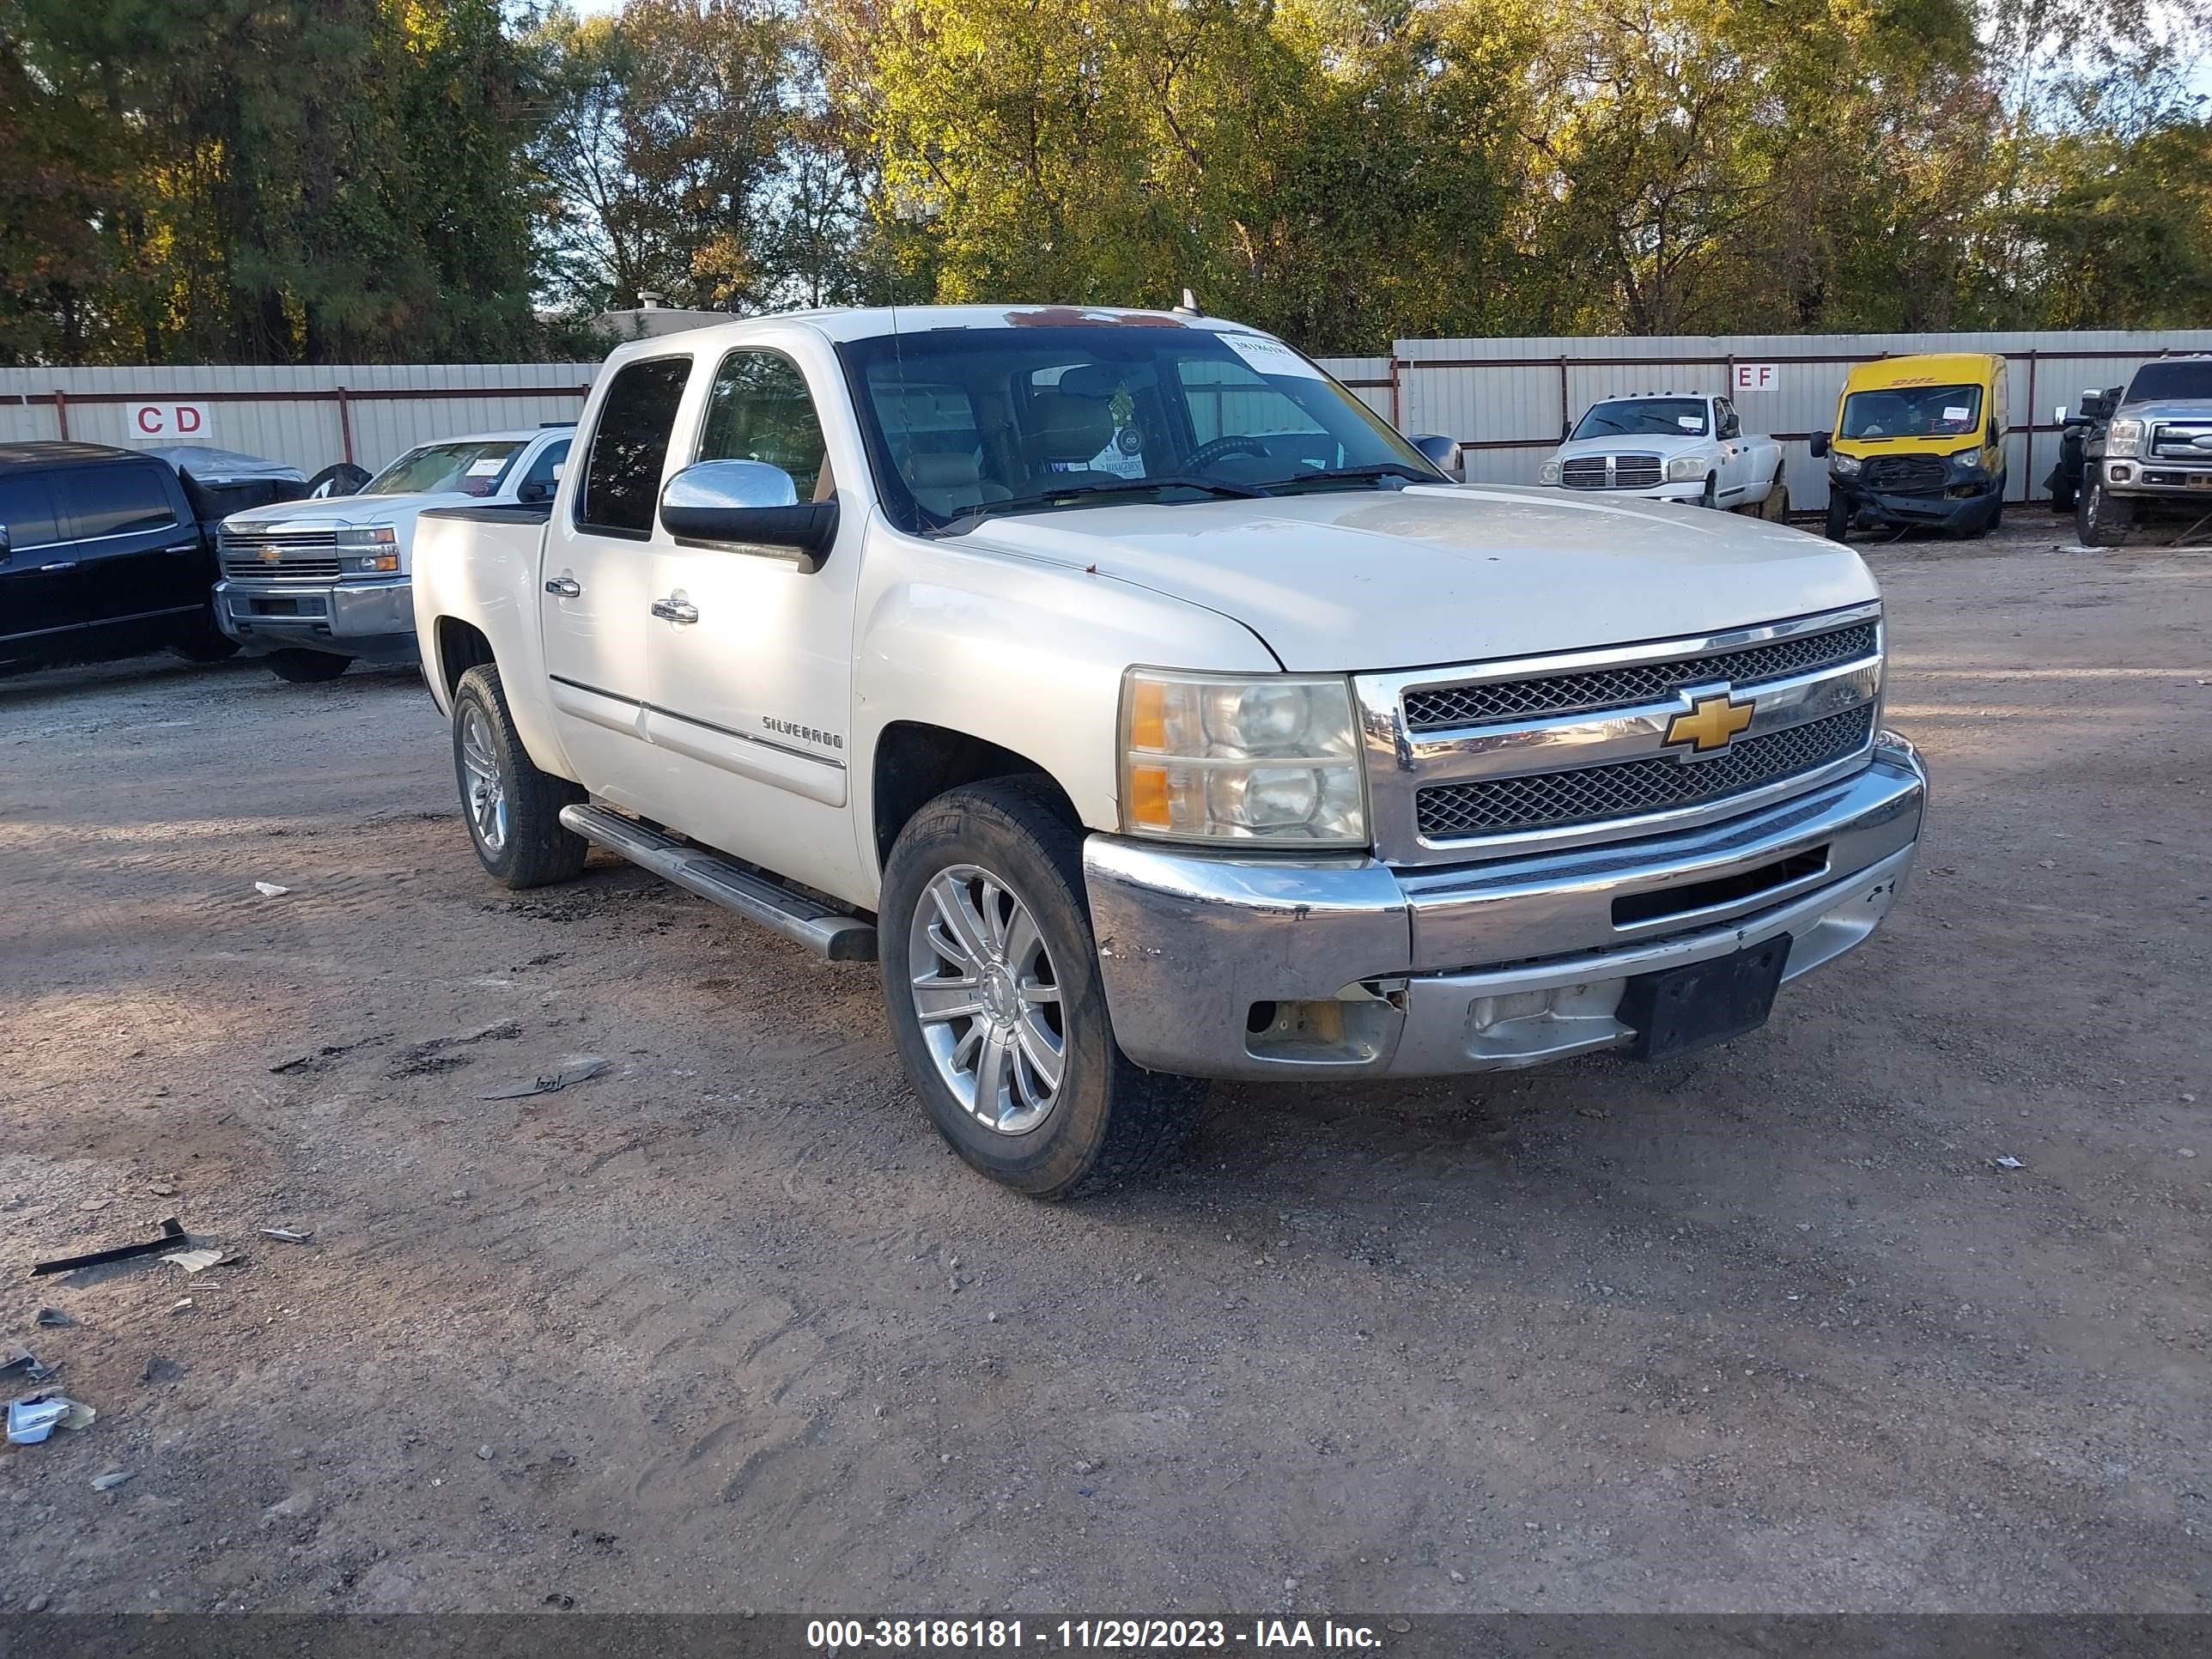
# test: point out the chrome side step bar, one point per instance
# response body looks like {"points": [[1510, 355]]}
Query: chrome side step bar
{"points": [[828, 933]]}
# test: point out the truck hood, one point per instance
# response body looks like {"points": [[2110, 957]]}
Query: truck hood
{"points": [[2168, 409], [343, 511], [1355, 581], [1635, 443]]}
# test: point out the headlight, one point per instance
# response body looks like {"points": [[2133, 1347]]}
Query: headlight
{"points": [[1272, 759], [371, 551], [1967, 460], [1843, 466], [2123, 437], [1686, 469], [1548, 473]]}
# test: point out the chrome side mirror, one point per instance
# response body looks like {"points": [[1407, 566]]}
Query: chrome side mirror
{"points": [[1442, 453], [747, 506]]}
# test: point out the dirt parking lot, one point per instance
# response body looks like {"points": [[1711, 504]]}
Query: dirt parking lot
{"points": [[728, 1328]]}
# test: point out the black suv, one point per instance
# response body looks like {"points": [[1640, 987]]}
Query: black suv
{"points": [[104, 553]]}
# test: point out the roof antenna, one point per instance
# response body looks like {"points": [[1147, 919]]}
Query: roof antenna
{"points": [[1189, 305]]}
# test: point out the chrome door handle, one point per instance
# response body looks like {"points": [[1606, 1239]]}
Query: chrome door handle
{"points": [[676, 611], [566, 586], [65, 564]]}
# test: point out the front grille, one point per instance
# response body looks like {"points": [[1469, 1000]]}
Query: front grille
{"points": [[2178, 443], [1628, 472], [1623, 688], [1904, 475], [1495, 807], [309, 557]]}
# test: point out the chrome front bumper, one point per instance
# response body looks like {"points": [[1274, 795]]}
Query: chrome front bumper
{"points": [[373, 620], [1250, 968]]}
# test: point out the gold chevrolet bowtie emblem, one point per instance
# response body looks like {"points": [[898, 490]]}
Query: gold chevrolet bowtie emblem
{"points": [[1709, 723]]}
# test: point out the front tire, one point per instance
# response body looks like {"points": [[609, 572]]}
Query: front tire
{"points": [[1711, 498], [1775, 507], [1839, 525], [2099, 520], [513, 808], [991, 979], [307, 667]]}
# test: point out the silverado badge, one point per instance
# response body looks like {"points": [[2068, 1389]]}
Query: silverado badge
{"points": [[1710, 723]]}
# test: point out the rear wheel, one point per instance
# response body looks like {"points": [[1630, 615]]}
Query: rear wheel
{"points": [[1838, 525], [307, 667], [511, 805], [991, 979], [2062, 497], [2099, 519]]}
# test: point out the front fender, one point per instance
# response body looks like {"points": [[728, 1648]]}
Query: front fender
{"points": [[1020, 653]]}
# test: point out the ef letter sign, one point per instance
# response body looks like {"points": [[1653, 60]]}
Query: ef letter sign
{"points": [[1758, 377], [168, 422]]}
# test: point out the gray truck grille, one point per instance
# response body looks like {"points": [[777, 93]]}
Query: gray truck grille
{"points": [[1627, 472], [2180, 440], [299, 558], [1451, 706], [1904, 475], [1547, 800]]}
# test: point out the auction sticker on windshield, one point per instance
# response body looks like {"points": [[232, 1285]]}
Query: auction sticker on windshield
{"points": [[1269, 357]]}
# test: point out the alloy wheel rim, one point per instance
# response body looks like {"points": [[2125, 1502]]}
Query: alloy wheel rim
{"points": [[484, 787], [988, 999]]}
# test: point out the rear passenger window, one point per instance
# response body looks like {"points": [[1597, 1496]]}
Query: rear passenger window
{"points": [[622, 478], [27, 510], [113, 500]]}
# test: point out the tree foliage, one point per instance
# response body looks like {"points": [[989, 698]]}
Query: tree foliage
{"points": [[317, 179]]}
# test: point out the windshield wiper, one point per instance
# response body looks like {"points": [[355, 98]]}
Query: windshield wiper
{"points": [[1089, 492], [1369, 474]]}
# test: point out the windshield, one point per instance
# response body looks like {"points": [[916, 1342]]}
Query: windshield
{"points": [[962, 422], [1912, 411], [2188, 380], [1645, 417], [467, 468]]}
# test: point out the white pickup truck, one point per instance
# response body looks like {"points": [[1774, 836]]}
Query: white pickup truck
{"points": [[312, 587], [1685, 446], [1152, 711]]}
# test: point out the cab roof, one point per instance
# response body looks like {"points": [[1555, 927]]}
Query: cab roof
{"points": [[873, 322], [1930, 369]]}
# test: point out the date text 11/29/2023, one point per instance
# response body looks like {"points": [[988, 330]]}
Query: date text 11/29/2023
{"points": [[1125, 1635]]}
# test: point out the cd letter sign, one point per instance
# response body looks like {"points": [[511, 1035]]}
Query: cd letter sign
{"points": [[168, 422]]}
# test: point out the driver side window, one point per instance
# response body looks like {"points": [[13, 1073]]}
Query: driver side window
{"points": [[1730, 427], [760, 409]]}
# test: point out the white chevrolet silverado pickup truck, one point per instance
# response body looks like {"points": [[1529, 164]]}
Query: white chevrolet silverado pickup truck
{"points": [[1154, 713], [1684, 446], [312, 587]]}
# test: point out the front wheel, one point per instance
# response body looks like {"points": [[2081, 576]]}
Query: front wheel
{"points": [[1838, 525], [1711, 498], [2099, 520], [991, 979], [307, 667], [1775, 507], [512, 806]]}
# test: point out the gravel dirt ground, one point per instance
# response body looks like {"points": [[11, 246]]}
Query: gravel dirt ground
{"points": [[728, 1328]]}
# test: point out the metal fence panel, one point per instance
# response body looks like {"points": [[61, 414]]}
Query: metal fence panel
{"points": [[366, 413]]}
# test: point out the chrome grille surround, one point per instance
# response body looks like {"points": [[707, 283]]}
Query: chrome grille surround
{"points": [[1585, 773], [2182, 440], [279, 555]]}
